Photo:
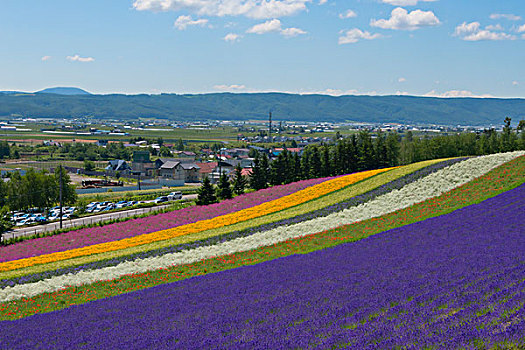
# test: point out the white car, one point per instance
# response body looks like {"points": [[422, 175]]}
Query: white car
{"points": [[173, 196]]}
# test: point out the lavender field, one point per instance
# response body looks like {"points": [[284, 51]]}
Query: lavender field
{"points": [[452, 281]]}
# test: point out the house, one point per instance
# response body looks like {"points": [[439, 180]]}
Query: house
{"points": [[118, 165], [205, 169], [171, 169], [142, 164]]}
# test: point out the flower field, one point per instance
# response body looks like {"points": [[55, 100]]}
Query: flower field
{"points": [[427, 256]]}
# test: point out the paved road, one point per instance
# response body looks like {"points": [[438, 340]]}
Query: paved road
{"points": [[27, 231]]}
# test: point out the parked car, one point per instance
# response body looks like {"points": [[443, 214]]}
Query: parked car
{"points": [[121, 204], [99, 208], [40, 219], [161, 199], [173, 196]]}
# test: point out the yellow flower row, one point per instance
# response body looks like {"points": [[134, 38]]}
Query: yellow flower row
{"points": [[282, 203]]}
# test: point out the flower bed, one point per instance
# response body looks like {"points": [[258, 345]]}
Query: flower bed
{"points": [[470, 167], [37, 273], [95, 235], [445, 282], [228, 219]]}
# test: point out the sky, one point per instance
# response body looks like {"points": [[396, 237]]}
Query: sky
{"points": [[446, 48]]}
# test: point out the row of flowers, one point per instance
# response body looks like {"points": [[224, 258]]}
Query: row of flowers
{"points": [[323, 206], [131, 228], [501, 179], [454, 281], [427, 187], [228, 219], [350, 196]]}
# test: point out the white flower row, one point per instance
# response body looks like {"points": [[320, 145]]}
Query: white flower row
{"points": [[425, 188]]}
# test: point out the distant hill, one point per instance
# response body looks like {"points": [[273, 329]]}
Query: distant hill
{"points": [[63, 91], [285, 107]]}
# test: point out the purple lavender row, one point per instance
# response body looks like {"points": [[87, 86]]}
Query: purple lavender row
{"points": [[451, 281], [354, 201]]}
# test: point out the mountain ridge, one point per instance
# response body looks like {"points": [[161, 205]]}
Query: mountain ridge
{"points": [[285, 107]]}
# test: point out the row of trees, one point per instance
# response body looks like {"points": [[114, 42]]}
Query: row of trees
{"points": [[36, 189], [360, 152], [226, 188], [364, 151]]}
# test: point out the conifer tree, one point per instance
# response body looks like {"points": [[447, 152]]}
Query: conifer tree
{"points": [[239, 181], [206, 193], [259, 176], [224, 190]]}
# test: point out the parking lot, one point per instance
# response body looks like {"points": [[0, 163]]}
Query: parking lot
{"points": [[101, 211]]}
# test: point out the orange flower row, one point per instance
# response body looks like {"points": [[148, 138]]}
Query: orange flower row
{"points": [[220, 221]]}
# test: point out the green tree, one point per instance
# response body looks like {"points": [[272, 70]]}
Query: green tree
{"points": [[5, 150], [392, 149], [164, 152], [206, 193], [224, 190], [366, 151], [259, 175], [179, 146], [89, 165], [239, 181], [5, 221], [69, 195]]}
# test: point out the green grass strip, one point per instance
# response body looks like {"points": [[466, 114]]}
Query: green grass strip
{"points": [[501, 179]]}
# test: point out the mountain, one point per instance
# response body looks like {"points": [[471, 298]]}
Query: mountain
{"points": [[285, 107], [63, 91]]}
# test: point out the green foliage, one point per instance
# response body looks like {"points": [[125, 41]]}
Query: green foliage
{"points": [[224, 190], [89, 165], [206, 193], [5, 220], [5, 150], [401, 109], [239, 181], [260, 172]]}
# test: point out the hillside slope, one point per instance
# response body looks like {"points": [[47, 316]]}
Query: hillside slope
{"points": [[287, 107]]}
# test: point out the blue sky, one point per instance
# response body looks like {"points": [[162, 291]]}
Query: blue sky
{"points": [[385, 47]]}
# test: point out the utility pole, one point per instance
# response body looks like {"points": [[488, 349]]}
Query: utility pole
{"points": [[60, 194], [270, 128]]}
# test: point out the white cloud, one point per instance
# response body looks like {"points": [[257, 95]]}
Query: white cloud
{"points": [[521, 29], [348, 14], [184, 22], [354, 35], [322, 2], [497, 27], [455, 94], [250, 8], [232, 37], [45, 58], [233, 87], [473, 32], [291, 32], [274, 26], [515, 83], [401, 19], [508, 16], [405, 2], [401, 80], [77, 58]]}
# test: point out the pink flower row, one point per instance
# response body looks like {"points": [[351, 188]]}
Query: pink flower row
{"points": [[135, 227]]}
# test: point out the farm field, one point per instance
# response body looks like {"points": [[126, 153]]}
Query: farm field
{"points": [[428, 255]]}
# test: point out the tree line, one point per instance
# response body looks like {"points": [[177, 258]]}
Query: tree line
{"points": [[36, 189], [366, 151]]}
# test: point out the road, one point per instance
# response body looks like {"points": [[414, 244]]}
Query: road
{"points": [[32, 230]]}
